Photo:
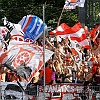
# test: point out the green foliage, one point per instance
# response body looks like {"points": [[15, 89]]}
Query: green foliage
{"points": [[14, 10]]}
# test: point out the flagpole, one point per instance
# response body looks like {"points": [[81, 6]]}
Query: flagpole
{"points": [[59, 22], [0, 90], [60, 17], [44, 47]]}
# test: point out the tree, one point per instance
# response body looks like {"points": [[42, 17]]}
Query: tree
{"points": [[14, 10]]}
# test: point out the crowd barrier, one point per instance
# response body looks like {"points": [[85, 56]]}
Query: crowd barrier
{"points": [[24, 91]]}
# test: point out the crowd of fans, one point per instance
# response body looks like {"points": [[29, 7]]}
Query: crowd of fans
{"points": [[63, 67]]}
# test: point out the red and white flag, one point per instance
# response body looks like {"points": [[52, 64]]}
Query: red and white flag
{"points": [[76, 52], [76, 33], [60, 29], [3, 30], [25, 59], [94, 33], [72, 4]]}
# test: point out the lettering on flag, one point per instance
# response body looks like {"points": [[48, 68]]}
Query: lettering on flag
{"points": [[32, 27]]}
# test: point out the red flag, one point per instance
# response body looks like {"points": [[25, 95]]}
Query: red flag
{"points": [[93, 32]]}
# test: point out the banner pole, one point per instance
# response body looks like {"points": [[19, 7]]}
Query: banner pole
{"points": [[60, 17], [0, 89], [44, 47], [59, 22]]}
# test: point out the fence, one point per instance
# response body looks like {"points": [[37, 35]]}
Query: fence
{"points": [[12, 91]]}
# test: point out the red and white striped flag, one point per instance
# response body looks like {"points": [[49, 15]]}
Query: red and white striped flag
{"points": [[76, 33], [60, 28]]}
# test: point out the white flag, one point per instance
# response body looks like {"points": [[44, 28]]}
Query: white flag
{"points": [[72, 4], [25, 59]]}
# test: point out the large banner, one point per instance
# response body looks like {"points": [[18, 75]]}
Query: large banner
{"points": [[14, 91], [65, 92], [25, 59]]}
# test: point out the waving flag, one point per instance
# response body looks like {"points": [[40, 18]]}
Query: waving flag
{"points": [[3, 30], [94, 33], [76, 52], [76, 33], [32, 27], [25, 59], [60, 29], [72, 4]]}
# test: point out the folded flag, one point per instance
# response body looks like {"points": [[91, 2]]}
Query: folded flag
{"points": [[32, 27]]}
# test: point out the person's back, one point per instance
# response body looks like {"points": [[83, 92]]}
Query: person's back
{"points": [[48, 75], [96, 76]]}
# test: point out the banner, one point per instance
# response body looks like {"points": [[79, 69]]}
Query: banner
{"points": [[25, 59], [12, 90]]}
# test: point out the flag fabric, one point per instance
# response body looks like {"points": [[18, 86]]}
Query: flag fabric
{"points": [[32, 27], [72, 4], [3, 31], [76, 33], [94, 31], [76, 52], [25, 59], [17, 35], [13, 29], [60, 28]]}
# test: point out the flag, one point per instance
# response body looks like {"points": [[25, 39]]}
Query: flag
{"points": [[76, 52], [72, 4], [25, 59], [93, 33], [60, 28], [13, 33], [3, 31], [13, 30], [32, 27], [76, 33]]}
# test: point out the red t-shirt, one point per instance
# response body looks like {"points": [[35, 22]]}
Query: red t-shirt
{"points": [[94, 68], [48, 74]]}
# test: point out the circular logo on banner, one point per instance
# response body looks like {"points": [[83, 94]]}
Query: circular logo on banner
{"points": [[24, 56]]}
